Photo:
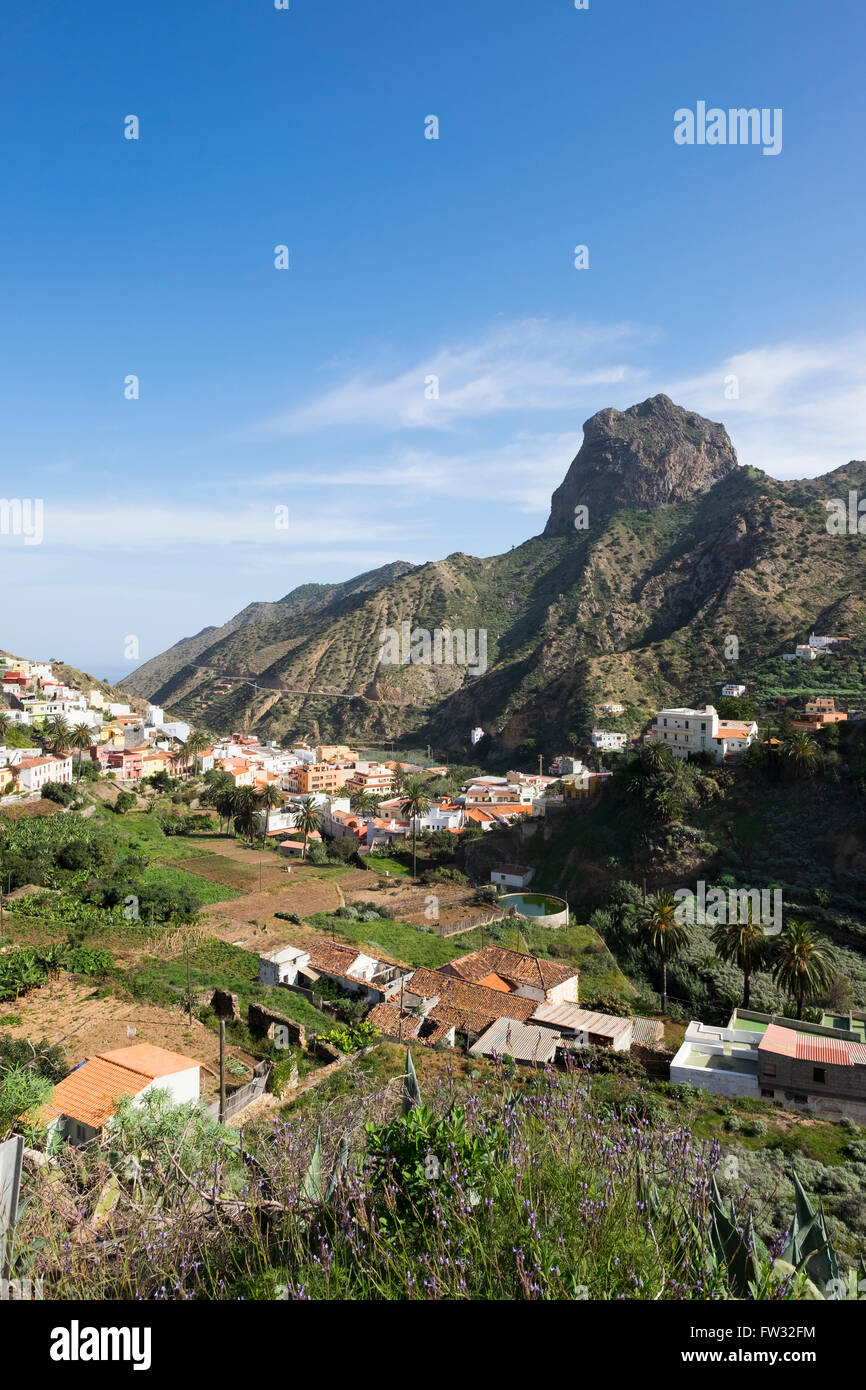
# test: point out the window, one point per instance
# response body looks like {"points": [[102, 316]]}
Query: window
{"points": [[770, 1069], [819, 1074], [767, 1095]]}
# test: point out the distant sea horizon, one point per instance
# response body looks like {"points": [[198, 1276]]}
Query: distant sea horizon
{"points": [[106, 671]]}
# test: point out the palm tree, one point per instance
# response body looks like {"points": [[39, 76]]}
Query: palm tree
{"points": [[804, 963], [415, 804], [5, 725], [362, 802], [663, 933], [224, 803], [58, 733], [268, 797], [194, 745], [743, 944], [244, 812], [307, 820], [81, 738], [801, 753]]}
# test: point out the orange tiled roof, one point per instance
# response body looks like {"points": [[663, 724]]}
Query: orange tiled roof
{"points": [[494, 981], [149, 1060], [90, 1093]]}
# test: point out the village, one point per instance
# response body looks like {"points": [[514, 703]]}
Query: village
{"points": [[299, 802]]}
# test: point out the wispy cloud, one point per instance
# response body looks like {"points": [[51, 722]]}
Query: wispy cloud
{"points": [[120, 526], [522, 472], [534, 365], [800, 409]]}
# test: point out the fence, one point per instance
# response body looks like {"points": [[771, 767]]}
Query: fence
{"points": [[484, 919], [244, 1095]]}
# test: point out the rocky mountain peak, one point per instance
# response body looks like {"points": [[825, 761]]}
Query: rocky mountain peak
{"points": [[651, 455]]}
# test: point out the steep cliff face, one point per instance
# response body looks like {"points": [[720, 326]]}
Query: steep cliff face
{"points": [[652, 455]]}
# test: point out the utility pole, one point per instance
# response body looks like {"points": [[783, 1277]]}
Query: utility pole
{"points": [[188, 985], [222, 1111], [540, 762]]}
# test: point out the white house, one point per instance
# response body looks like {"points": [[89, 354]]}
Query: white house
{"points": [[175, 727], [282, 966], [84, 1103], [804, 652], [688, 731], [351, 969], [476, 735], [608, 742], [512, 876], [89, 717], [733, 690], [154, 715], [564, 766], [33, 773], [115, 709]]}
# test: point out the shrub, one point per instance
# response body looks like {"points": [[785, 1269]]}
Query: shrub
{"points": [[755, 1127]]}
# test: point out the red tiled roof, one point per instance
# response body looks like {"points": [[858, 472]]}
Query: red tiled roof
{"points": [[388, 1019], [513, 966], [467, 998]]}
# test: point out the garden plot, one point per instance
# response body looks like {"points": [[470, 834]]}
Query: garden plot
{"points": [[84, 1021]]}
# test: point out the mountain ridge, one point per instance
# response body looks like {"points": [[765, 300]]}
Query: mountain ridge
{"points": [[683, 548]]}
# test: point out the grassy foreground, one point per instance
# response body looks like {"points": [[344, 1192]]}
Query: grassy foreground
{"points": [[539, 1191]]}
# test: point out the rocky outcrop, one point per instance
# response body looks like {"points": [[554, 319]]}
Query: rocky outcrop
{"points": [[651, 455]]}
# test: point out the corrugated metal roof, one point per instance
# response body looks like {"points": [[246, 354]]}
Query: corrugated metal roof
{"points": [[833, 1051], [524, 1042], [807, 1047], [780, 1040], [647, 1030], [583, 1020]]}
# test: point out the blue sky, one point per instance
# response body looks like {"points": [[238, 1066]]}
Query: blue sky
{"points": [[305, 389]]}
